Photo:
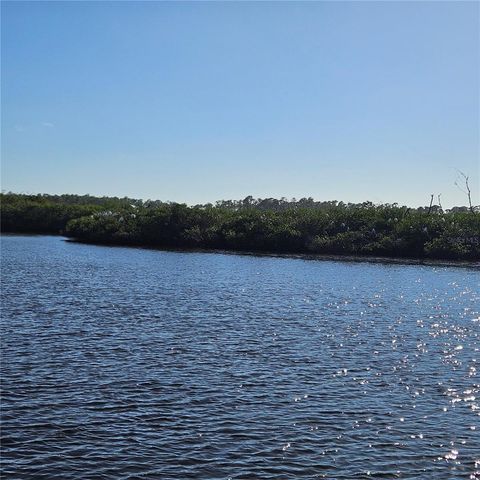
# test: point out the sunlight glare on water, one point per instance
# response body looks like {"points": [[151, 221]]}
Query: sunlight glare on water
{"points": [[128, 363]]}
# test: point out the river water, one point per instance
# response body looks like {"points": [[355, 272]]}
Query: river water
{"points": [[123, 363]]}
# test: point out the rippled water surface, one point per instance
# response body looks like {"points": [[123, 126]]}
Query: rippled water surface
{"points": [[127, 363]]}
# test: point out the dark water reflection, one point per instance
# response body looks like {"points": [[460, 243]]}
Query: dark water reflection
{"points": [[126, 363]]}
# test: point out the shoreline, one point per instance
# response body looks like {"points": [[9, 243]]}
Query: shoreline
{"points": [[434, 262]]}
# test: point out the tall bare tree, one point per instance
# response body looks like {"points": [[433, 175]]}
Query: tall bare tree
{"points": [[431, 203], [466, 190], [439, 202]]}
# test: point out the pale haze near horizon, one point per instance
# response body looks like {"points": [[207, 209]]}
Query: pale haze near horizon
{"points": [[196, 102]]}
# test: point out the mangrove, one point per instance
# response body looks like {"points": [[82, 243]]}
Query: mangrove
{"points": [[257, 225]]}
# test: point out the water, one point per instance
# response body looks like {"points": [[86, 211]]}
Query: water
{"points": [[127, 363]]}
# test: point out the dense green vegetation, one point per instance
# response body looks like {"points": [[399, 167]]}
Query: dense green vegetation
{"points": [[266, 225], [50, 213]]}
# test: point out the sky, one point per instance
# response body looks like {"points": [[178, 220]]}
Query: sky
{"points": [[200, 101]]}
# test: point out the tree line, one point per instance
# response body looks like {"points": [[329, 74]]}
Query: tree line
{"points": [[262, 225]]}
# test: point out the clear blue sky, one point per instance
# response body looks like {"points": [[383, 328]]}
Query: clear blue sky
{"points": [[195, 102]]}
